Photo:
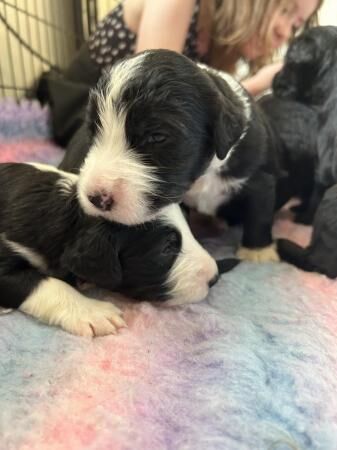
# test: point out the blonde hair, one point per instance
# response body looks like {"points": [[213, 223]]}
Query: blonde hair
{"points": [[232, 23]]}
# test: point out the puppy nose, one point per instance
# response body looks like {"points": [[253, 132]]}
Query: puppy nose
{"points": [[213, 281], [103, 202]]}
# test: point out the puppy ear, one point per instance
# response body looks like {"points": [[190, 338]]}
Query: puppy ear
{"points": [[294, 79], [228, 127], [228, 115], [302, 51], [93, 257]]}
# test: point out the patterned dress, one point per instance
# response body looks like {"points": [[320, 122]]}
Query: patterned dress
{"points": [[113, 40], [67, 95]]}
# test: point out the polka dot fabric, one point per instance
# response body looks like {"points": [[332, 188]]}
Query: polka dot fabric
{"points": [[113, 41]]}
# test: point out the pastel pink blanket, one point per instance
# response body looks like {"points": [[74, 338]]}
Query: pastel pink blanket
{"points": [[253, 367]]}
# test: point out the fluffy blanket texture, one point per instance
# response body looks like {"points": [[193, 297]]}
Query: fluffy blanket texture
{"points": [[25, 133], [253, 367]]}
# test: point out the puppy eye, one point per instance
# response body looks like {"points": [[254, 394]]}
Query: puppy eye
{"points": [[172, 243], [155, 138]]}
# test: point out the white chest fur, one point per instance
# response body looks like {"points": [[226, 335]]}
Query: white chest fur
{"points": [[212, 189]]}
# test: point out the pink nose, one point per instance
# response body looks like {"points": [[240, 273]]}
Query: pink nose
{"points": [[103, 202]]}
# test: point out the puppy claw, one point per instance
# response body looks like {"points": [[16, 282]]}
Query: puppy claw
{"points": [[121, 322], [265, 254]]}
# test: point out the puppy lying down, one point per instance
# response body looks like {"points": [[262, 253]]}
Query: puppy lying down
{"points": [[47, 242], [321, 255]]}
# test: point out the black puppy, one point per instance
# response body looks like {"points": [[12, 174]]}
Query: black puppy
{"points": [[321, 255], [309, 77], [295, 128], [46, 241]]}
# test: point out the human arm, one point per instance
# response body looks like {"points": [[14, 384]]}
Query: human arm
{"points": [[164, 24], [262, 80]]}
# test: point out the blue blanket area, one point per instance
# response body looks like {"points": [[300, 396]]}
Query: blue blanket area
{"points": [[253, 367]]}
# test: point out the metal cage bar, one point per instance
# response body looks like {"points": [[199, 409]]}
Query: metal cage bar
{"points": [[38, 35]]}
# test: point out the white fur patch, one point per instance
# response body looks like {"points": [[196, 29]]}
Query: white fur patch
{"points": [[111, 167], [119, 76], [265, 254], [48, 168], [34, 258], [67, 180], [210, 190], [193, 269], [56, 303]]}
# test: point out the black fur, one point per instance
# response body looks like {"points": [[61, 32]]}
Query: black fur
{"points": [[40, 212], [321, 255], [35, 213], [278, 158], [177, 119], [180, 115], [244, 190], [309, 77], [295, 128]]}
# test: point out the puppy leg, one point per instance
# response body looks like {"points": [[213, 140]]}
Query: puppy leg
{"points": [[294, 254], [53, 301], [307, 213], [258, 214], [264, 254], [57, 303]]}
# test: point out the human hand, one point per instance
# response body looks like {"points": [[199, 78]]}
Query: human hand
{"points": [[264, 77], [262, 80]]}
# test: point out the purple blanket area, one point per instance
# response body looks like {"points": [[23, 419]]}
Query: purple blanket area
{"points": [[25, 133], [253, 367]]}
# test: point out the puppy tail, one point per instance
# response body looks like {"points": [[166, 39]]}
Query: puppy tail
{"points": [[294, 254], [227, 264]]}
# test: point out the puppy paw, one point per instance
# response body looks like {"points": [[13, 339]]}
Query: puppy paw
{"points": [[56, 303], [93, 318], [265, 254]]}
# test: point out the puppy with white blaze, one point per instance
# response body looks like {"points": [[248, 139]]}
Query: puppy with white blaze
{"points": [[154, 123], [242, 188], [47, 243]]}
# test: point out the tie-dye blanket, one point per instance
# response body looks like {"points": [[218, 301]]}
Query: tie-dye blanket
{"points": [[253, 367], [25, 133]]}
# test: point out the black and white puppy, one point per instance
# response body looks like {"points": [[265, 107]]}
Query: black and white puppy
{"points": [[321, 255], [309, 76], [291, 130], [154, 123], [242, 187], [46, 241]]}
